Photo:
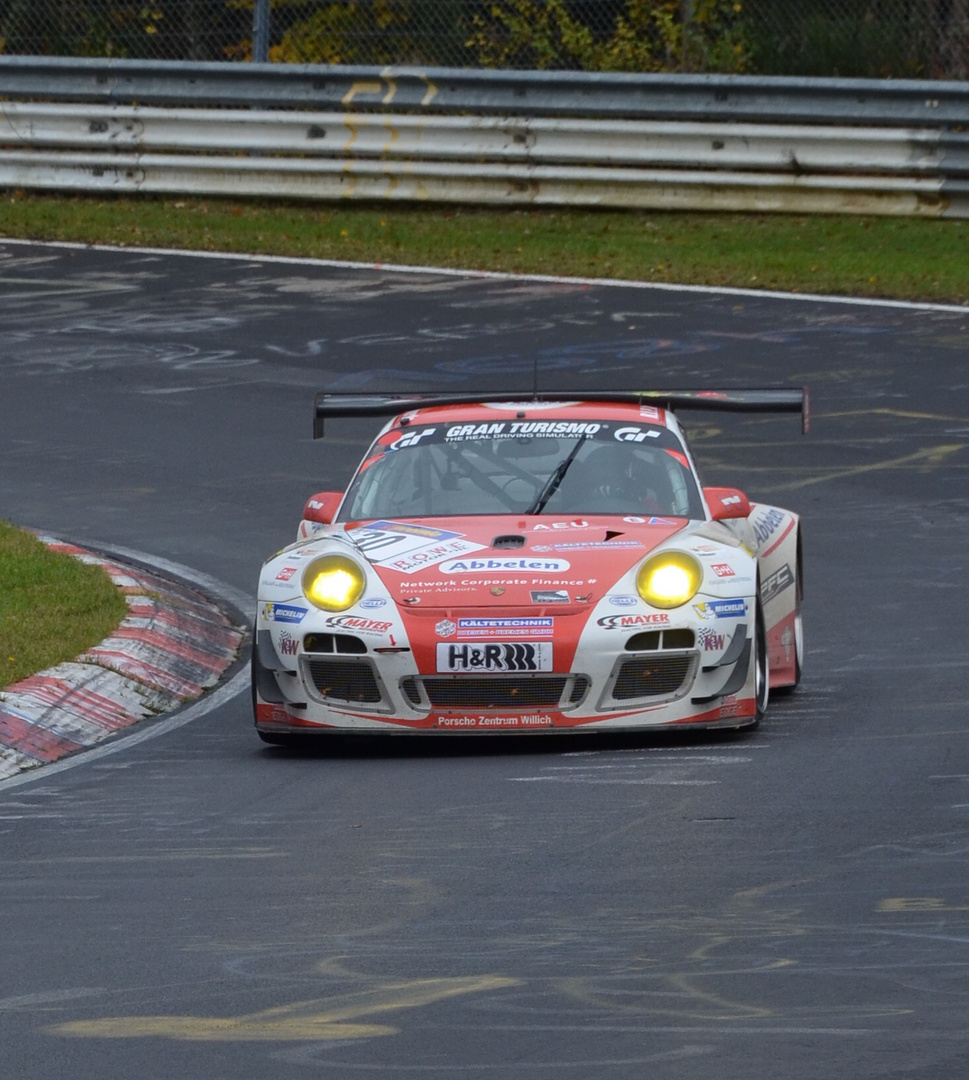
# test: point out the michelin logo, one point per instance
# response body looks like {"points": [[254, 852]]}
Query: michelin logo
{"points": [[721, 609], [284, 613]]}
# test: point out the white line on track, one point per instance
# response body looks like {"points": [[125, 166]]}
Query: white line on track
{"points": [[218, 697], [394, 268]]}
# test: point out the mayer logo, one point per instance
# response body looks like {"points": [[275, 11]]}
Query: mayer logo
{"points": [[359, 624], [632, 622], [507, 566]]}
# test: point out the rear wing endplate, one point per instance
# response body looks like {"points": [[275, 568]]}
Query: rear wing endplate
{"points": [[357, 404]]}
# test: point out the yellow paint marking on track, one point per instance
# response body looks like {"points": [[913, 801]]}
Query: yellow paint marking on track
{"points": [[925, 458], [898, 904], [320, 1019], [903, 414]]}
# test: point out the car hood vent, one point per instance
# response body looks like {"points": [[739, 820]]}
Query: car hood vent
{"points": [[508, 540]]}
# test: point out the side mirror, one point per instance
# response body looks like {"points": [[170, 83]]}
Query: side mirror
{"points": [[726, 503], [322, 507]]}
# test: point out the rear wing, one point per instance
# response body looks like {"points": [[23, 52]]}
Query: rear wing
{"points": [[766, 400]]}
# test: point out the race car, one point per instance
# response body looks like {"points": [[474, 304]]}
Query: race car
{"points": [[529, 565]]}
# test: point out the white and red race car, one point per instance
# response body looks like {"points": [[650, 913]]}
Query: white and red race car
{"points": [[529, 565]]}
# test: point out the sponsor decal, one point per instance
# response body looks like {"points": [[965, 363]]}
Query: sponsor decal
{"points": [[529, 720], [577, 524], [506, 565], [787, 640], [517, 429], [705, 549], [766, 526], [632, 622], [373, 602], [304, 553], [495, 656], [286, 573], [730, 707], [776, 583], [412, 438], [584, 545], [710, 640], [650, 412], [721, 609], [445, 628], [550, 596], [358, 624], [288, 645], [721, 569], [429, 556], [635, 434], [440, 586], [284, 613], [623, 601], [407, 548], [493, 628], [632, 519], [289, 588], [406, 528]]}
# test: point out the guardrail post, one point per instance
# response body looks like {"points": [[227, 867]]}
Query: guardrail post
{"points": [[260, 32]]}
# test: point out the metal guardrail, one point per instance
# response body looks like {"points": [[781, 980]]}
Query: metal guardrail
{"points": [[760, 99], [422, 150]]}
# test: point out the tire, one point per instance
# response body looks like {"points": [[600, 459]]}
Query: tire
{"points": [[760, 663]]}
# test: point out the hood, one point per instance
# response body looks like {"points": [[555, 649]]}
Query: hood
{"points": [[492, 562]]}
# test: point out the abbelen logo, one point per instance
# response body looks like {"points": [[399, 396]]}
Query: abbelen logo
{"points": [[509, 566]]}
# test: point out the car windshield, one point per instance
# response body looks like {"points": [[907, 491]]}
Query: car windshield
{"points": [[524, 467]]}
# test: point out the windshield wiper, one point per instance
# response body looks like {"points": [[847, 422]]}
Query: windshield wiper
{"points": [[552, 483]]}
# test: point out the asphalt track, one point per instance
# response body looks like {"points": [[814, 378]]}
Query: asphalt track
{"points": [[790, 903]]}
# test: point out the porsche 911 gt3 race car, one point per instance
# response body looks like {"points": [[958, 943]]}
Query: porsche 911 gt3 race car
{"points": [[529, 565]]}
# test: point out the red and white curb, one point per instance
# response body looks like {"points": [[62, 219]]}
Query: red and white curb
{"points": [[171, 647]]}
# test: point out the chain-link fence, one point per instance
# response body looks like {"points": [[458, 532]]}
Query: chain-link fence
{"points": [[873, 38]]}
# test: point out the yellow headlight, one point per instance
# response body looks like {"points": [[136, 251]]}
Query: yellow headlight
{"points": [[333, 582], [669, 579]]}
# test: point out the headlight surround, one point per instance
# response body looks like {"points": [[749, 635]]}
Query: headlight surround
{"points": [[669, 579], [333, 582]]}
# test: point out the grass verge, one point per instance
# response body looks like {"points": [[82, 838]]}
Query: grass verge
{"points": [[898, 258], [52, 607]]}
